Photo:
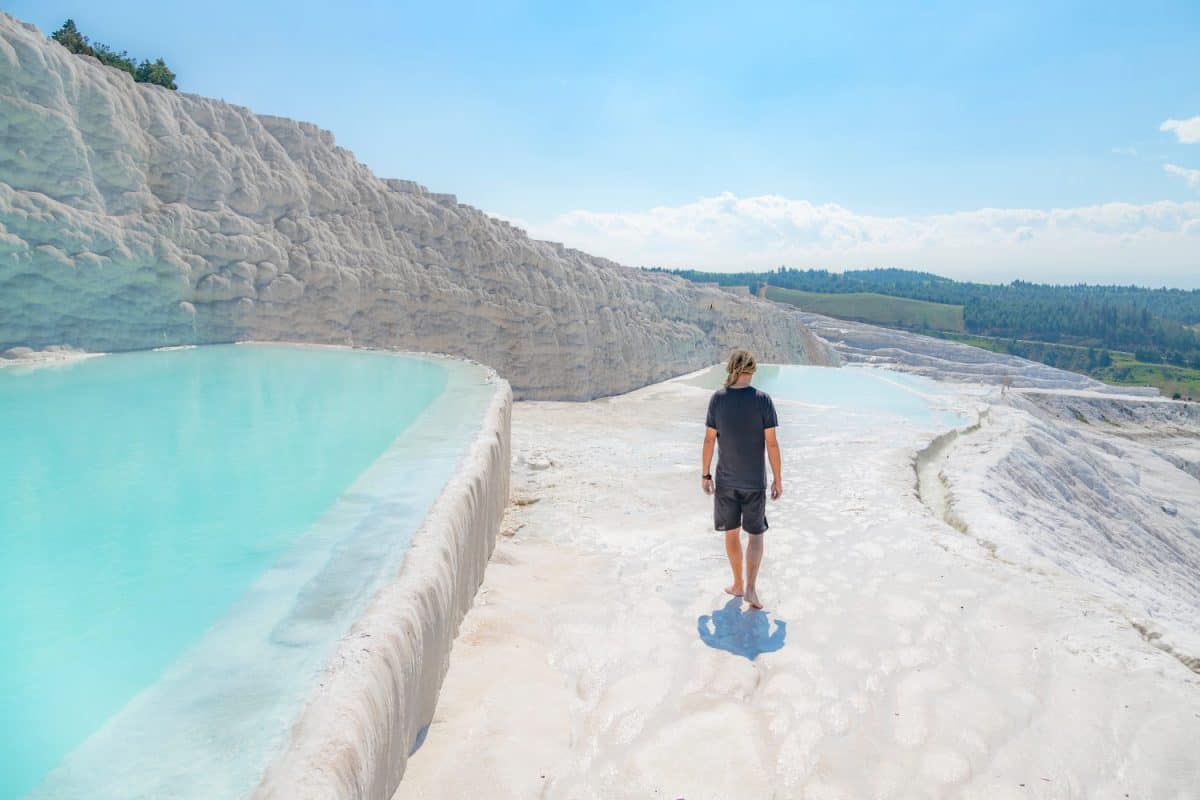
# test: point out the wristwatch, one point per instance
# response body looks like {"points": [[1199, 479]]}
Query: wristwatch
{"points": [[706, 477]]}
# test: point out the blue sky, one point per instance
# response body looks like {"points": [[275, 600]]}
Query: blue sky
{"points": [[617, 126]]}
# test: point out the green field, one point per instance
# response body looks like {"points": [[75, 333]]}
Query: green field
{"points": [[878, 309], [1172, 381], [945, 320]]}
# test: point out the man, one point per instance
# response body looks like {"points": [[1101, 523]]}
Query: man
{"points": [[744, 420]]}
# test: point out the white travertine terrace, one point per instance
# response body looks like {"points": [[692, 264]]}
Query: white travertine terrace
{"points": [[1099, 487], [134, 217], [353, 739], [1046, 648], [943, 359], [336, 649]]}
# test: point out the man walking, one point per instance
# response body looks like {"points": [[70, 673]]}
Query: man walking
{"points": [[743, 419]]}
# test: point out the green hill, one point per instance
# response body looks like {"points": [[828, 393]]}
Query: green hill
{"points": [[875, 308]]}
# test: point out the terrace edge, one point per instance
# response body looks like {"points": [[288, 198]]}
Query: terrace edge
{"points": [[379, 691]]}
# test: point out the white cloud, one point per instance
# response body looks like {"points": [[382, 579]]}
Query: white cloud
{"points": [[1187, 131], [1147, 243], [1192, 176]]}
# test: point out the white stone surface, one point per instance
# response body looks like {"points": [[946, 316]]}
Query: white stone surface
{"points": [[1104, 489], [134, 217], [916, 662]]}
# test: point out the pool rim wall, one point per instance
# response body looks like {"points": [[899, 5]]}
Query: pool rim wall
{"points": [[379, 691]]}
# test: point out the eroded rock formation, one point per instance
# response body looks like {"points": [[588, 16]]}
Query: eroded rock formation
{"points": [[134, 217]]}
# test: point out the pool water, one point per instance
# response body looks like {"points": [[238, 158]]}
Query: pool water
{"points": [[853, 397], [184, 536]]}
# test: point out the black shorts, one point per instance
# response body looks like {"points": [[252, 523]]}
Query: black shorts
{"points": [[740, 508]]}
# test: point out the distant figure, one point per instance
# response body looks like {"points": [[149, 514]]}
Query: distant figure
{"points": [[744, 420]]}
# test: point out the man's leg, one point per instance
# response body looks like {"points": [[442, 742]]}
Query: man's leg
{"points": [[754, 554], [727, 516], [754, 521], [733, 549]]}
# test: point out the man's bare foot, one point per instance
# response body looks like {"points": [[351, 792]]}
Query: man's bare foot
{"points": [[734, 590], [752, 599]]}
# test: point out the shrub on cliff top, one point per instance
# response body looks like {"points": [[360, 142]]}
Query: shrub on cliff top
{"points": [[70, 37], [112, 58], [156, 72]]}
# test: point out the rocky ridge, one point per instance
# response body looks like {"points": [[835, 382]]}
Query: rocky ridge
{"points": [[134, 217]]}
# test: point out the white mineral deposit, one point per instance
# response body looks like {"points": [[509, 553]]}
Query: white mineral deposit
{"points": [[134, 217], [1005, 606], [1045, 646]]}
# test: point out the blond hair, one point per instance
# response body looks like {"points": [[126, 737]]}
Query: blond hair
{"points": [[740, 361]]}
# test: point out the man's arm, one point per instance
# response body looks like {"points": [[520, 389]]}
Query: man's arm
{"points": [[776, 463], [710, 443]]}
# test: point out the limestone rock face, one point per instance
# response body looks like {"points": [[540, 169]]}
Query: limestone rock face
{"points": [[134, 217]]}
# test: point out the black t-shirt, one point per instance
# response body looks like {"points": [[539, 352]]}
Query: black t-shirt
{"points": [[740, 417]]}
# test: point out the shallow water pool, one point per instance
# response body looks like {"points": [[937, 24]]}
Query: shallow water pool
{"points": [[853, 396], [184, 536]]}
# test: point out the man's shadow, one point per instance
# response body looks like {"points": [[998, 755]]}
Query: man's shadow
{"points": [[743, 633]]}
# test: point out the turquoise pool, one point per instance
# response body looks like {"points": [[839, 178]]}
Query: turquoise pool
{"points": [[853, 397], [184, 536]]}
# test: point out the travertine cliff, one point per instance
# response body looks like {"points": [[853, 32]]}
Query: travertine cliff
{"points": [[135, 217]]}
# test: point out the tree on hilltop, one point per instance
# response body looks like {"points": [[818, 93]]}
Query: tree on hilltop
{"points": [[156, 72], [70, 37]]}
